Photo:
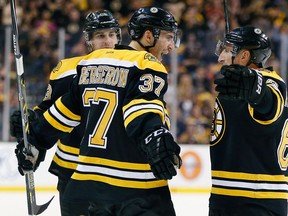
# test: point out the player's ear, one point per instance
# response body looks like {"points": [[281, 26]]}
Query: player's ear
{"points": [[245, 57], [246, 54], [148, 36]]}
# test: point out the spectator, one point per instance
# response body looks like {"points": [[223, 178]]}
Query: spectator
{"points": [[202, 24]]}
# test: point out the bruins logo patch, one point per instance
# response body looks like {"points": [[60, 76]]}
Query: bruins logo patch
{"points": [[151, 57], [48, 93], [218, 124], [55, 69]]}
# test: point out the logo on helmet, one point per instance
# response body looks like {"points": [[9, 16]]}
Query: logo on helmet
{"points": [[257, 31], [154, 10]]}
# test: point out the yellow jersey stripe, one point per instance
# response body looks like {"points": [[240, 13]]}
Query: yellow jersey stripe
{"points": [[120, 182], [66, 111], [113, 163], [65, 164], [134, 115], [55, 123], [69, 149], [280, 105], [141, 101], [167, 119], [250, 194], [248, 176]]}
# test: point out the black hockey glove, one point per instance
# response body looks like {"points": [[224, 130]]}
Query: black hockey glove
{"points": [[28, 162], [16, 123], [162, 153], [240, 82]]}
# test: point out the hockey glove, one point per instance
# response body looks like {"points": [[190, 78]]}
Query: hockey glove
{"points": [[16, 123], [240, 82], [28, 162], [162, 153]]}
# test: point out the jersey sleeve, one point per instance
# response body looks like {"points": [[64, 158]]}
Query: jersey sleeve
{"points": [[59, 119], [144, 107], [277, 88]]}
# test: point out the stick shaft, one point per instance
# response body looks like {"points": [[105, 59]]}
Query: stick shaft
{"points": [[226, 16], [33, 208], [29, 177]]}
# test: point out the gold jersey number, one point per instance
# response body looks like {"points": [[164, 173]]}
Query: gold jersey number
{"points": [[283, 148], [94, 96]]}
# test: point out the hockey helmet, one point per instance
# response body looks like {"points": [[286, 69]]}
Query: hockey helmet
{"points": [[252, 39], [154, 19], [100, 20]]}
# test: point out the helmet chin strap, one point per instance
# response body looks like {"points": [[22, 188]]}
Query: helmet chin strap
{"points": [[147, 47], [233, 58]]}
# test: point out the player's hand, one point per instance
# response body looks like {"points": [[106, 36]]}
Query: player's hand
{"points": [[28, 161], [162, 153], [16, 123], [240, 82]]}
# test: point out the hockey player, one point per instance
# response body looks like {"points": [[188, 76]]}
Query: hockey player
{"points": [[127, 153], [101, 30], [248, 156]]}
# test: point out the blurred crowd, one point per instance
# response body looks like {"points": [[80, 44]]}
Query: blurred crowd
{"points": [[202, 24]]}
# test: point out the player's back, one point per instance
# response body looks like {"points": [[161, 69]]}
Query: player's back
{"points": [[118, 92]]}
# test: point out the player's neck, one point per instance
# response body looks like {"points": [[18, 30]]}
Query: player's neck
{"points": [[135, 45]]}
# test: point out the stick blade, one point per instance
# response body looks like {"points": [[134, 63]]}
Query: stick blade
{"points": [[41, 208]]}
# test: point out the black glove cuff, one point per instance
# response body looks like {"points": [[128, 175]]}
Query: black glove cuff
{"points": [[258, 90], [267, 104], [155, 133]]}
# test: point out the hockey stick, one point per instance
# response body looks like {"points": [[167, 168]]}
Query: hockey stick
{"points": [[33, 208], [227, 29]]}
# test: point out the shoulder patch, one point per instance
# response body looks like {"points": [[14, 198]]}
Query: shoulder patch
{"points": [[151, 57], [66, 67], [48, 93], [55, 69], [272, 82]]}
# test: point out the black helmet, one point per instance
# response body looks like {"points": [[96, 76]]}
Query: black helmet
{"points": [[154, 19], [252, 39], [98, 21]]}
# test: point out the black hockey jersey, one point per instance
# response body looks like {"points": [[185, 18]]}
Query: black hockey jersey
{"points": [[118, 94], [249, 153], [66, 156]]}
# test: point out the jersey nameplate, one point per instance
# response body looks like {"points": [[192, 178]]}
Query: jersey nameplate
{"points": [[104, 75]]}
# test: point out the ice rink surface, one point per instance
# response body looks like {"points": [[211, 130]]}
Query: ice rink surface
{"points": [[14, 203]]}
